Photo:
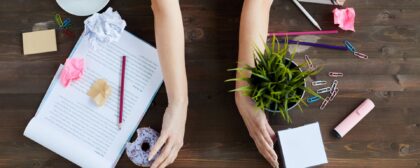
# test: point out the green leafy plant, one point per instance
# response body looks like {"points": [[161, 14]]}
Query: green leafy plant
{"points": [[276, 83]]}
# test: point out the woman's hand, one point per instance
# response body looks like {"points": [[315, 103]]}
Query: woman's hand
{"points": [[258, 127], [170, 46], [171, 137]]}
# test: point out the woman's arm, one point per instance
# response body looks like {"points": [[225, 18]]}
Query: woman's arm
{"points": [[170, 45], [253, 33]]}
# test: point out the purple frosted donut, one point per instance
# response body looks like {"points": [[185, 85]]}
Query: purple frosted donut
{"points": [[139, 150]]}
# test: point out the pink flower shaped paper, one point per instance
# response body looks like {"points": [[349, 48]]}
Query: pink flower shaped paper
{"points": [[72, 71], [344, 18]]}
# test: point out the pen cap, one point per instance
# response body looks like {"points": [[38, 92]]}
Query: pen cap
{"points": [[353, 118]]}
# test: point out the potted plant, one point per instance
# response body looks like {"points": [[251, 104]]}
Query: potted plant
{"points": [[277, 83]]}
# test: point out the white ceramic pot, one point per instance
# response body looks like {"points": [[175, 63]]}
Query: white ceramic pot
{"points": [[82, 7]]}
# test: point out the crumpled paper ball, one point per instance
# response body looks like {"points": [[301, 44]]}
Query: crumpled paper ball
{"points": [[345, 18], [99, 92], [72, 71], [104, 28]]}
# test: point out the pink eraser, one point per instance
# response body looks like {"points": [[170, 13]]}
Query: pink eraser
{"points": [[351, 120]]}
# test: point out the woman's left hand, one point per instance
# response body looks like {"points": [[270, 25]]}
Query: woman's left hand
{"points": [[171, 137]]}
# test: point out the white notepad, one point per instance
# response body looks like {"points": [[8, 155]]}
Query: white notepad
{"points": [[302, 146], [69, 123]]}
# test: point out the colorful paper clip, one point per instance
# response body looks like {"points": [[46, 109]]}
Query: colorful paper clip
{"points": [[69, 33], [319, 83], [333, 94], [353, 50], [335, 74], [58, 20], [323, 90], [334, 86], [309, 62], [349, 46], [66, 23], [62, 24], [312, 99], [360, 55], [324, 103]]}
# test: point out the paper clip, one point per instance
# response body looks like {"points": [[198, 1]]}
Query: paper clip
{"points": [[360, 55], [69, 33], [335, 74], [349, 46], [324, 103], [312, 99], [66, 23], [334, 86], [319, 83], [333, 94], [309, 62], [323, 90], [58, 20]]}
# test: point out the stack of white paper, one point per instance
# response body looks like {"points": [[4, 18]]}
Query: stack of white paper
{"points": [[302, 147], [69, 123]]}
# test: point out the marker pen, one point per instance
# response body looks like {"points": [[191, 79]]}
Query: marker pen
{"points": [[351, 120]]}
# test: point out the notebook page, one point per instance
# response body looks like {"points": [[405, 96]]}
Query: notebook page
{"points": [[70, 111]]}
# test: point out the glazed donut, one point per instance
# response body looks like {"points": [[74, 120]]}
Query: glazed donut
{"points": [[139, 150]]}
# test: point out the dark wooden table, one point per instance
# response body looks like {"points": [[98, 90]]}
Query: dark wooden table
{"points": [[387, 30]]}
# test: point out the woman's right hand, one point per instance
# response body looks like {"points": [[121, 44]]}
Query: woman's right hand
{"points": [[258, 127]]}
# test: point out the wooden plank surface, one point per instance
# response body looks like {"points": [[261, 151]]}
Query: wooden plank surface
{"points": [[386, 30]]}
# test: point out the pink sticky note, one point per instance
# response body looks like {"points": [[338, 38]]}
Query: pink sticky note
{"points": [[72, 71], [344, 18]]}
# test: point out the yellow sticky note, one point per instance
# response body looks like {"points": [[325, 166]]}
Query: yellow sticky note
{"points": [[39, 42]]}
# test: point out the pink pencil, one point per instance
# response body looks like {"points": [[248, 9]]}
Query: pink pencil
{"points": [[303, 33], [122, 92]]}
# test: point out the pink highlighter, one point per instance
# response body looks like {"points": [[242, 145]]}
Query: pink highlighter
{"points": [[351, 120]]}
